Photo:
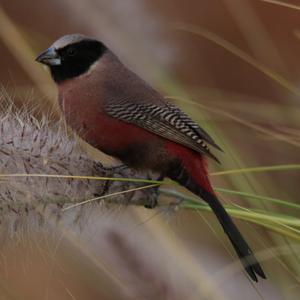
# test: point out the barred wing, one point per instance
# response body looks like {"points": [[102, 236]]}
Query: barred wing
{"points": [[165, 120]]}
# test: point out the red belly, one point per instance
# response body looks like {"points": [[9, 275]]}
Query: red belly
{"points": [[134, 146]]}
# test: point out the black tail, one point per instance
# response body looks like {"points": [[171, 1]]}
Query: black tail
{"points": [[241, 247]]}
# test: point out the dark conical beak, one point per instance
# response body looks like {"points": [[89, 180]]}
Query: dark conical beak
{"points": [[49, 57]]}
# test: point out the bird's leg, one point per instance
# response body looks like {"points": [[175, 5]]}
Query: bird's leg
{"points": [[109, 171], [124, 171], [153, 202]]}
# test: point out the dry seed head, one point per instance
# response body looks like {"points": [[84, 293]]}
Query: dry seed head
{"points": [[32, 146]]}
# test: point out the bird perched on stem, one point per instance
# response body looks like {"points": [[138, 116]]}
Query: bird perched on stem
{"points": [[117, 112]]}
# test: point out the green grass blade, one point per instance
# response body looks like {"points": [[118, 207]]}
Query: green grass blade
{"points": [[290, 167], [79, 177], [250, 196], [258, 197]]}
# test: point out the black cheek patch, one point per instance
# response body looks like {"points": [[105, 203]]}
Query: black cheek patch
{"points": [[87, 52]]}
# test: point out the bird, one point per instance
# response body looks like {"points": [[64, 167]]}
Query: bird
{"points": [[117, 112]]}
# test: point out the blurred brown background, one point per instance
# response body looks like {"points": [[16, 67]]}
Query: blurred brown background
{"points": [[140, 254]]}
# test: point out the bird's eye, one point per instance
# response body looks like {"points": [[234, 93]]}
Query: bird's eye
{"points": [[71, 51]]}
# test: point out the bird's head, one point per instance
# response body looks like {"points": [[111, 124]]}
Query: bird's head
{"points": [[71, 56]]}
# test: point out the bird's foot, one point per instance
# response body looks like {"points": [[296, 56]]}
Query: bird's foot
{"points": [[151, 204]]}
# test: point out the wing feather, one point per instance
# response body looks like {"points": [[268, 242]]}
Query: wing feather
{"points": [[167, 121]]}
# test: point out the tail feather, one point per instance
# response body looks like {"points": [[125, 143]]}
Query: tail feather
{"points": [[204, 190], [241, 247]]}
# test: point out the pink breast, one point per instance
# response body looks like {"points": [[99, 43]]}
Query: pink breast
{"points": [[83, 112]]}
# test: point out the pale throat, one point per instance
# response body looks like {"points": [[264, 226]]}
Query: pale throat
{"points": [[92, 67]]}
